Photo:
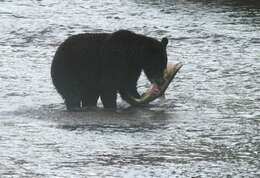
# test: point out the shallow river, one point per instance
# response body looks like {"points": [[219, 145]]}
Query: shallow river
{"points": [[207, 126]]}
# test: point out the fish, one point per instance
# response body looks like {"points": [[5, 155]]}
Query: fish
{"points": [[156, 91]]}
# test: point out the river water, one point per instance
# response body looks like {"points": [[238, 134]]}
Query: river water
{"points": [[207, 126]]}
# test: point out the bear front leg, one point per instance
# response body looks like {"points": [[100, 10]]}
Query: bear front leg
{"points": [[129, 90], [133, 92], [130, 83], [108, 98], [125, 94]]}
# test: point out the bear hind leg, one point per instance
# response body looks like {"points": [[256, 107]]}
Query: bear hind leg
{"points": [[89, 99], [72, 100], [72, 103]]}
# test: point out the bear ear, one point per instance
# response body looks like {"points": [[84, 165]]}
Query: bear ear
{"points": [[164, 41]]}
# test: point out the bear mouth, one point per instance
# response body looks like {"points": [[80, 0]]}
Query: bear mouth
{"points": [[156, 90]]}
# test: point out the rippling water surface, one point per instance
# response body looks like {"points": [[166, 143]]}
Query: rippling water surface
{"points": [[208, 125]]}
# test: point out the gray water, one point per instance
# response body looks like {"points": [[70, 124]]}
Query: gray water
{"points": [[208, 125]]}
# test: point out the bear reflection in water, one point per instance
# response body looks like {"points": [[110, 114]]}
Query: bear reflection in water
{"points": [[92, 65]]}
